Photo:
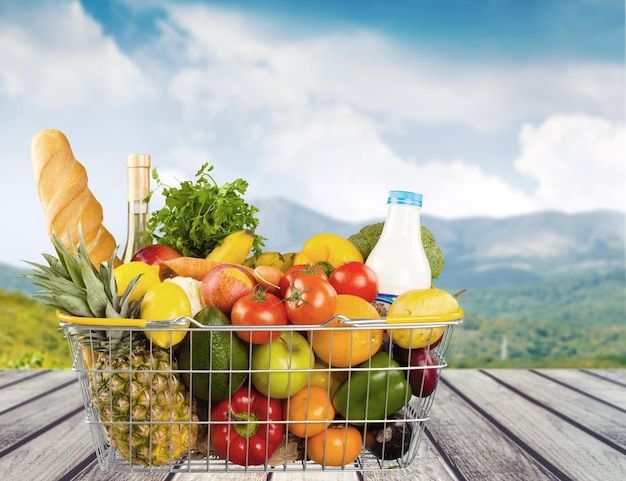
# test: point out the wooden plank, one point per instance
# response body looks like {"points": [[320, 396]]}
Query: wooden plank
{"points": [[479, 429], [314, 476], [218, 477], [49, 455], [92, 472], [472, 446], [615, 375], [65, 452], [590, 414], [560, 446], [10, 377], [590, 382], [22, 422], [30, 389], [428, 464]]}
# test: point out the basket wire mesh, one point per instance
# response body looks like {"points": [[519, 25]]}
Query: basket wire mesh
{"points": [[100, 373]]}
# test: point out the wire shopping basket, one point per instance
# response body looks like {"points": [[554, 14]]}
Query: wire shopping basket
{"points": [[338, 396]]}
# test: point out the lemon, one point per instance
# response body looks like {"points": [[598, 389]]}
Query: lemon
{"points": [[421, 305], [164, 302], [125, 273]]}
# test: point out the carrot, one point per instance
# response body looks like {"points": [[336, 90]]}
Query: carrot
{"points": [[191, 266]]}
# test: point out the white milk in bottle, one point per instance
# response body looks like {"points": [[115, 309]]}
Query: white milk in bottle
{"points": [[398, 258]]}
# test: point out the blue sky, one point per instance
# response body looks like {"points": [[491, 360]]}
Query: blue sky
{"points": [[489, 108], [524, 28]]}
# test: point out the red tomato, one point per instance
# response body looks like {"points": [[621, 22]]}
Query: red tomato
{"points": [[258, 309], [296, 269], [309, 299], [357, 279]]}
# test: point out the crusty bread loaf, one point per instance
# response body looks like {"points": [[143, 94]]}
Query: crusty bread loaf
{"points": [[66, 199]]}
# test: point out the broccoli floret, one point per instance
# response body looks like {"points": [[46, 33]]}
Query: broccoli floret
{"points": [[367, 237], [433, 253]]}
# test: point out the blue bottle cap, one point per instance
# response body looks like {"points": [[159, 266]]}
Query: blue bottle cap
{"points": [[403, 197]]}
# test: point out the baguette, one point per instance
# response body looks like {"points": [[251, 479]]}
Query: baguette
{"points": [[65, 197]]}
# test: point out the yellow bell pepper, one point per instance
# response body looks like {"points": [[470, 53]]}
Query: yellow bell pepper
{"points": [[330, 248]]}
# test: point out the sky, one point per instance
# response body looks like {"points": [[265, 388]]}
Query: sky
{"points": [[493, 108]]}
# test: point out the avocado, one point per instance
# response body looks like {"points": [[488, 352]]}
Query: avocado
{"points": [[206, 352]]}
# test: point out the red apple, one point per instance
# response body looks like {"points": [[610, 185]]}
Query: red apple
{"points": [[423, 381], [224, 284], [155, 254]]}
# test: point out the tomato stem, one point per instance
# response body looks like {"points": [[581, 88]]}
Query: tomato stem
{"points": [[259, 295], [296, 294]]}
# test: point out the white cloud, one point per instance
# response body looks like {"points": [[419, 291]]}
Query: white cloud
{"points": [[235, 64], [340, 166], [61, 58], [386, 79], [326, 101], [578, 162], [308, 115]]}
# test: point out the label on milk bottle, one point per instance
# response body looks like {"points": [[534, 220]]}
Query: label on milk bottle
{"points": [[382, 303]]}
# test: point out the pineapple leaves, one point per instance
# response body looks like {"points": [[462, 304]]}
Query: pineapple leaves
{"points": [[94, 290], [67, 259], [71, 283], [78, 306]]}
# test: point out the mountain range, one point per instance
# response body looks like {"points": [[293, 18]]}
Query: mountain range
{"points": [[480, 252], [550, 286]]}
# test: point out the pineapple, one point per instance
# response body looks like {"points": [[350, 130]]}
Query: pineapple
{"points": [[139, 385], [149, 416]]}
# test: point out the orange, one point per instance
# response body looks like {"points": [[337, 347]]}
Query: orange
{"points": [[340, 345], [338, 445]]}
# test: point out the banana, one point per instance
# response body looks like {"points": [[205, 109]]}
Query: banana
{"points": [[289, 257], [272, 259], [234, 248]]}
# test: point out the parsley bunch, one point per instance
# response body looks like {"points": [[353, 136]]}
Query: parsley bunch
{"points": [[198, 215]]}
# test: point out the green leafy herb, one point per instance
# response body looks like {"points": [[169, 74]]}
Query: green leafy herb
{"points": [[198, 215]]}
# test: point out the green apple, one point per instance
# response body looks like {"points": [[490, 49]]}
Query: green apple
{"points": [[280, 368]]}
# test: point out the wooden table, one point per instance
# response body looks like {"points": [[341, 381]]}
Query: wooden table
{"points": [[485, 425]]}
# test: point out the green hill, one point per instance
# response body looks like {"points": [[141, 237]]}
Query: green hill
{"points": [[29, 334], [584, 298], [574, 321]]}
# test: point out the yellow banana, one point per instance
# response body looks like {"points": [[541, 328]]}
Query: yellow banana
{"points": [[234, 248], [289, 257], [272, 259]]}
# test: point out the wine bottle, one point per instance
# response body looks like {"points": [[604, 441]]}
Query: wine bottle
{"points": [[138, 174]]}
